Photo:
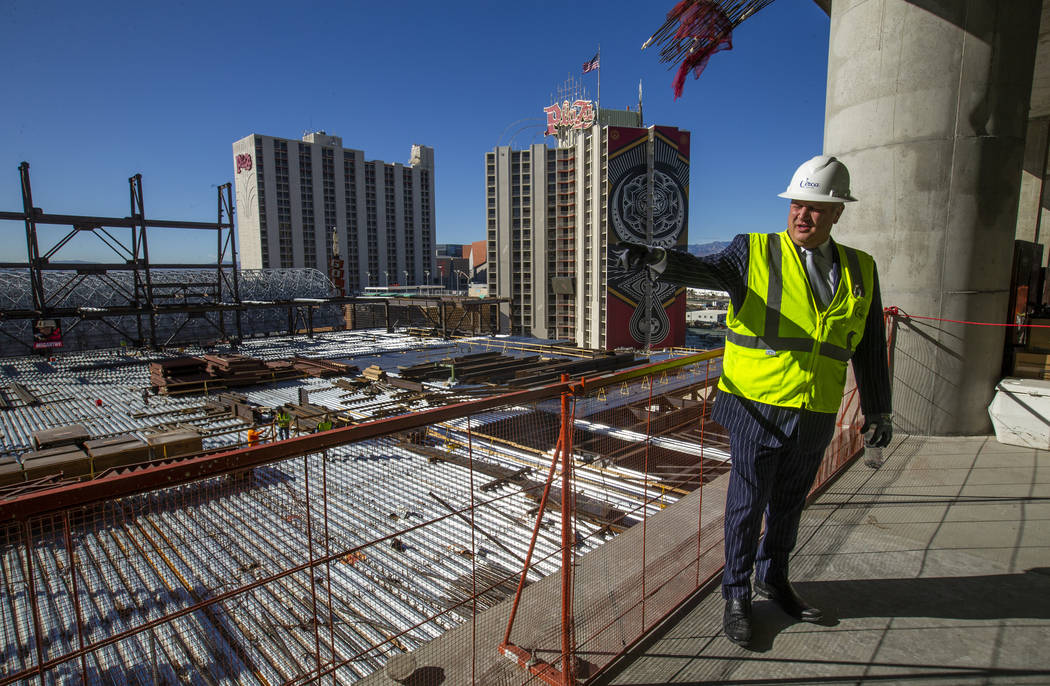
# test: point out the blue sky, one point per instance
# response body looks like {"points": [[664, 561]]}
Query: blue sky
{"points": [[96, 92]]}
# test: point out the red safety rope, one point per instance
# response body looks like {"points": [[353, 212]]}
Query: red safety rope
{"points": [[897, 312]]}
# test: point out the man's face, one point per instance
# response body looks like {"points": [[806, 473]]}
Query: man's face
{"points": [[809, 223]]}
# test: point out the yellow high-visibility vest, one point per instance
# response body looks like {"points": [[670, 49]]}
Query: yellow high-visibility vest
{"points": [[781, 349]]}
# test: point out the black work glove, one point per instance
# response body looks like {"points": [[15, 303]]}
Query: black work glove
{"points": [[881, 427], [634, 256]]}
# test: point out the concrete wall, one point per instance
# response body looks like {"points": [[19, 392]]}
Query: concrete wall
{"points": [[927, 103]]}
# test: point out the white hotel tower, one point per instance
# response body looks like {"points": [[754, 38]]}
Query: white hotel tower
{"points": [[294, 196]]}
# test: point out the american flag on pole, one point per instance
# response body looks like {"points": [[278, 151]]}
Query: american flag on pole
{"points": [[593, 63]]}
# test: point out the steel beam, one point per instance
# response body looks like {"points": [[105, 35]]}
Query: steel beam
{"points": [[115, 222]]}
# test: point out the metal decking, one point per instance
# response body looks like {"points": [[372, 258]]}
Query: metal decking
{"points": [[392, 527]]}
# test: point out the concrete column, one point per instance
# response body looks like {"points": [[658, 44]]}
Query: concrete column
{"points": [[927, 104]]}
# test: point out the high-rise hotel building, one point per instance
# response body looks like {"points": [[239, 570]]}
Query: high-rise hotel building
{"points": [[554, 213], [298, 201]]}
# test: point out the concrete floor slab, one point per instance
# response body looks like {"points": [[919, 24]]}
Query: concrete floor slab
{"points": [[1003, 476], [1037, 509], [1035, 532], [1032, 560], [922, 584], [966, 511], [983, 534], [936, 461], [952, 445], [957, 562], [993, 460], [994, 446], [898, 514], [1003, 492], [857, 544]]}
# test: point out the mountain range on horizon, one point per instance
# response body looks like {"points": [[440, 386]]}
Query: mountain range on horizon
{"points": [[702, 249]]}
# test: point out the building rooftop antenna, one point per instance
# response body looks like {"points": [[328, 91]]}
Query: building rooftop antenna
{"points": [[572, 90]]}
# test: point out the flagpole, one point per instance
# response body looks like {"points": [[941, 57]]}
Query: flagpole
{"points": [[598, 108]]}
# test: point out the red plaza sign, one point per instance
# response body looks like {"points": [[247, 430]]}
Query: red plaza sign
{"points": [[578, 115]]}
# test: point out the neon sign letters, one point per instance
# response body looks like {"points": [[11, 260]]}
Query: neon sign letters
{"points": [[578, 115]]}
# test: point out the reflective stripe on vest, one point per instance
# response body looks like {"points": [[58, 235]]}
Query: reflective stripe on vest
{"points": [[781, 349], [771, 341]]}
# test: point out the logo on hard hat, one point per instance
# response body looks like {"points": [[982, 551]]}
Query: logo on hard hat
{"points": [[806, 183]]}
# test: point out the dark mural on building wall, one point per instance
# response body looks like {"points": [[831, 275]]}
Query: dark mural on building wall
{"points": [[630, 323]]}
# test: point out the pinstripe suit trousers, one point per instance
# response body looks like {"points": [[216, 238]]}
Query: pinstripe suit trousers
{"points": [[774, 462]]}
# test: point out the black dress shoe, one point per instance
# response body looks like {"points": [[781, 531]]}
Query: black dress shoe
{"points": [[736, 622], [789, 601]]}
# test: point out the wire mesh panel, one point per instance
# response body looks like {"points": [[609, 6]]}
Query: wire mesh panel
{"points": [[643, 457], [329, 563], [520, 540]]}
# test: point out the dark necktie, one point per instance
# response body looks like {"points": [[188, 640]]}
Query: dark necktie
{"points": [[817, 269]]}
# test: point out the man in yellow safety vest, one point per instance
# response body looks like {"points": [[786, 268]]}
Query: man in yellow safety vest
{"points": [[284, 423], [801, 307]]}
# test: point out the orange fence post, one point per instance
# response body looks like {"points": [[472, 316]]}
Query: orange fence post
{"points": [[567, 649], [700, 504]]}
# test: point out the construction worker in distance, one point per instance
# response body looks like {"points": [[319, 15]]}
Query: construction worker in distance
{"points": [[325, 424], [253, 436], [284, 423], [801, 307]]}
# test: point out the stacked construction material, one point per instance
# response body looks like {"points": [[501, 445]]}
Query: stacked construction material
{"points": [[10, 471], [58, 450], [119, 451], [175, 443], [374, 373], [281, 369], [322, 368], [70, 451], [431, 371], [179, 375], [497, 368], [71, 435], [235, 370], [211, 373], [70, 460]]}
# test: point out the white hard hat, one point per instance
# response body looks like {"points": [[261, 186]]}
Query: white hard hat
{"points": [[820, 179]]}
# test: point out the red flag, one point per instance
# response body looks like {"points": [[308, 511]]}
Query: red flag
{"points": [[593, 63]]}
